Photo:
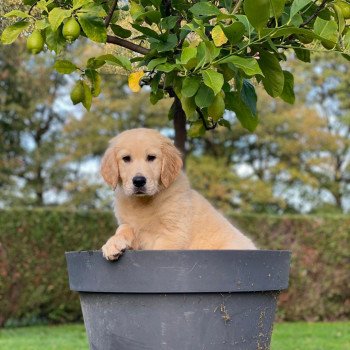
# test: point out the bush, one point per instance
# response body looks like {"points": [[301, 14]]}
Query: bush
{"points": [[33, 277]]}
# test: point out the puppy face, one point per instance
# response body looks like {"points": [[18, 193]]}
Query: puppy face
{"points": [[141, 161]]}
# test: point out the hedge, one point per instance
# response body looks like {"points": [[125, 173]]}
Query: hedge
{"points": [[33, 277]]}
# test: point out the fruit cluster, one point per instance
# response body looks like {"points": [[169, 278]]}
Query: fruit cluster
{"points": [[70, 31]]}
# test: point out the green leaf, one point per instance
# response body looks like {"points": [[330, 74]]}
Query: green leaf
{"points": [[346, 40], [326, 29], [190, 86], [257, 11], [93, 10], [168, 22], [189, 106], [297, 5], [65, 67], [196, 129], [11, 33], [249, 65], [248, 96], [56, 17], [95, 63], [206, 53], [17, 13], [87, 96], [286, 31], [287, 94], [155, 82], [204, 96], [156, 96], [93, 27], [273, 79], [145, 30], [247, 25], [340, 17], [54, 39], [153, 16], [120, 31], [154, 63], [234, 32], [225, 123], [167, 67], [41, 24], [213, 79], [204, 9], [95, 80], [187, 54], [172, 111], [29, 2], [79, 3], [302, 54], [228, 5], [117, 60], [244, 114], [277, 7], [169, 44]]}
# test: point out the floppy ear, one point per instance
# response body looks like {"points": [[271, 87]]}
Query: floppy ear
{"points": [[109, 167], [171, 164]]}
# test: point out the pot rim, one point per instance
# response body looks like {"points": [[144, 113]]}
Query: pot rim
{"points": [[180, 271]]}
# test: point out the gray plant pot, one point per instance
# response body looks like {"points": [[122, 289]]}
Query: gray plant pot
{"points": [[179, 300]]}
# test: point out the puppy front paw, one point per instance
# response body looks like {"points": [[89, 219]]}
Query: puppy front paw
{"points": [[114, 248]]}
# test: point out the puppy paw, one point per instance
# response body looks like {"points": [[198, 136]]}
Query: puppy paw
{"points": [[114, 248]]}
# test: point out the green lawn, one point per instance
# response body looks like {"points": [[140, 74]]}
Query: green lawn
{"points": [[287, 336]]}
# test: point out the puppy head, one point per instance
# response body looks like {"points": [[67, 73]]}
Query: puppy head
{"points": [[141, 161]]}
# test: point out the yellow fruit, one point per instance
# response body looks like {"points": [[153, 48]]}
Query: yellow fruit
{"points": [[217, 108], [134, 81], [77, 93], [35, 42], [71, 29], [344, 7]]}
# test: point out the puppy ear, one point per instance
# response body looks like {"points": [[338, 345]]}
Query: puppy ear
{"points": [[109, 167], [171, 164]]}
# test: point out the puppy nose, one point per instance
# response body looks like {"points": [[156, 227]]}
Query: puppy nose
{"points": [[139, 181]]}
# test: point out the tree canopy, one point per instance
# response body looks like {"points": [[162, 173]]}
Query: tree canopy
{"points": [[204, 54]]}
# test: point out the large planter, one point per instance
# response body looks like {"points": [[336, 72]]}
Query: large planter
{"points": [[179, 300]]}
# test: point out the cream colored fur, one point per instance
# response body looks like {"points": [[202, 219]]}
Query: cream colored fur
{"points": [[169, 214]]}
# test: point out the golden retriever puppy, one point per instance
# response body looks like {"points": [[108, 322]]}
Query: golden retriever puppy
{"points": [[154, 203]]}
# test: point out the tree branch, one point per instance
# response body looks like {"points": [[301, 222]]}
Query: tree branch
{"points": [[110, 14], [31, 7], [319, 9], [127, 44]]}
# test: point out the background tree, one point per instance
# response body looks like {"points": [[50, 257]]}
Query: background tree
{"points": [[203, 54], [30, 128]]}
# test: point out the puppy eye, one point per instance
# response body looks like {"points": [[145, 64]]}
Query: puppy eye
{"points": [[126, 159], [151, 158]]}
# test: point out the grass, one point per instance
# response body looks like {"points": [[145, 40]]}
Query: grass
{"points": [[286, 336]]}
